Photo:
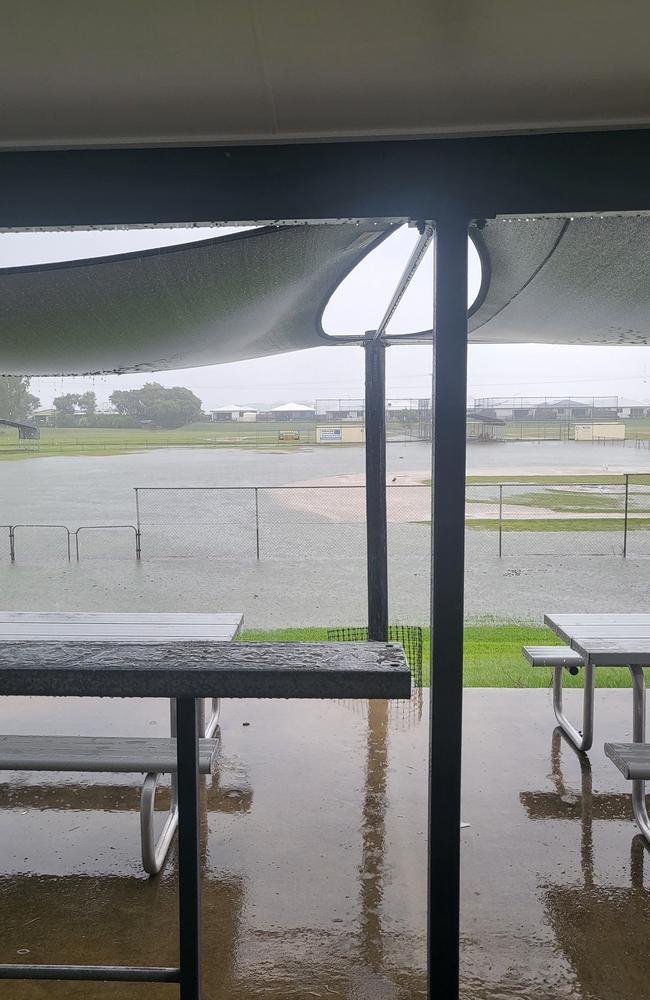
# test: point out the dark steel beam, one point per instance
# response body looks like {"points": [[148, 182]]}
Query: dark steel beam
{"points": [[189, 875], [376, 528], [447, 584], [553, 173]]}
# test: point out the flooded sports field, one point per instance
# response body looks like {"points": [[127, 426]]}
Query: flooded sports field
{"points": [[280, 534]]}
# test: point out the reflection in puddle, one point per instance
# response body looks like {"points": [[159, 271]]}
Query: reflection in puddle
{"points": [[305, 829], [601, 929]]}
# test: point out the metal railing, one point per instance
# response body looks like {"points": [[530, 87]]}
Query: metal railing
{"points": [[40, 542]]}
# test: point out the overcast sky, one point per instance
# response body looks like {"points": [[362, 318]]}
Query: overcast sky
{"points": [[326, 373]]}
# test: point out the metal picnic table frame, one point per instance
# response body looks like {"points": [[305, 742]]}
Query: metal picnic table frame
{"points": [[616, 640], [612, 640], [188, 671]]}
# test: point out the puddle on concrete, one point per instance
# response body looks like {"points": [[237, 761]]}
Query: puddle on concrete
{"points": [[314, 856]]}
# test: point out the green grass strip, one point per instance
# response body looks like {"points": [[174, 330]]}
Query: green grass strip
{"points": [[493, 656]]}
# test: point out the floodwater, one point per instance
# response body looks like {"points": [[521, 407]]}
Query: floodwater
{"points": [[314, 855], [95, 489], [199, 549]]}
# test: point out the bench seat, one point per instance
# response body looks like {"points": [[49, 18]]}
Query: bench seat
{"points": [[117, 754], [98, 753], [632, 759], [553, 656], [561, 658]]}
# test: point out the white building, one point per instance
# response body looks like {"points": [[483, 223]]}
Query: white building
{"points": [[293, 411], [234, 411], [632, 408]]}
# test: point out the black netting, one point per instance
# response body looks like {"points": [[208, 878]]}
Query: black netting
{"points": [[409, 637]]}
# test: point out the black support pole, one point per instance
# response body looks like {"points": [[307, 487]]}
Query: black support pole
{"points": [[376, 532], [448, 530], [189, 876]]}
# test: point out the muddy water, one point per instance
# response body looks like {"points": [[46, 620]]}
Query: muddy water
{"points": [[80, 490]]}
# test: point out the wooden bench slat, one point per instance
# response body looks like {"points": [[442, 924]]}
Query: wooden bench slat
{"points": [[98, 753], [632, 759]]}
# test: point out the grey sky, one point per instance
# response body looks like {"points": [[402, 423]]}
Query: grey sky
{"points": [[358, 305]]}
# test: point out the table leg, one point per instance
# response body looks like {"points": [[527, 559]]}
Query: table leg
{"points": [[581, 740], [201, 710], [638, 736], [189, 875]]}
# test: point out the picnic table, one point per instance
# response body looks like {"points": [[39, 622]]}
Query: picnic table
{"points": [[616, 640], [146, 666], [609, 640], [39, 626]]}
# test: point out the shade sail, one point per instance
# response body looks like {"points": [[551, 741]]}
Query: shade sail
{"points": [[564, 281], [263, 291], [245, 295]]}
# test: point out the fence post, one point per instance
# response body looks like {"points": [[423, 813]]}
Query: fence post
{"points": [[627, 498], [257, 524], [12, 543], [500, 519], [138, 536]]}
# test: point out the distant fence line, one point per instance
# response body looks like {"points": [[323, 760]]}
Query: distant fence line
{"points": [[503, 519], [319, 521]]}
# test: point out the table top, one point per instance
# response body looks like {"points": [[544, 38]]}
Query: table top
{"points": [[41, 626], [605, 639], [185, 656]]}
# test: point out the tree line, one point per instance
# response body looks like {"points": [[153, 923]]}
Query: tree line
{"points": [[152, 405]]}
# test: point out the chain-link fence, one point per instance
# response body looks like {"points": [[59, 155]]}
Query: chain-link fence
{"points": [[507, 520], [579, 518], [327, 522], [315, 522]]}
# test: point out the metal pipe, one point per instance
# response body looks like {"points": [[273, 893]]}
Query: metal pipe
{"points": [[627, 496], [447, 585], [257, 524], [376, 528], [639, 805], [500, 519], [421, 247]]}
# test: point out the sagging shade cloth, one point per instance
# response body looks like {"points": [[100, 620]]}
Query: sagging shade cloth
{"points": [[245, 295], [563, 281], [263, 291]]}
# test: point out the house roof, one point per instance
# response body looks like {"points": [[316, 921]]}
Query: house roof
{"points": [[292, 408], [100, 74], [234, 408]]}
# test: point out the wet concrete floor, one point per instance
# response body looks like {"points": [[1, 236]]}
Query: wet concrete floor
{"points": [[314, 855]]}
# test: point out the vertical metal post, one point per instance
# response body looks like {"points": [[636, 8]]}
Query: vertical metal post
{"points": [[189, 875], [447, 583], [257, 524], [500, 519], [138, 534], [627, 498], [376, 530], [12, 543]]}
